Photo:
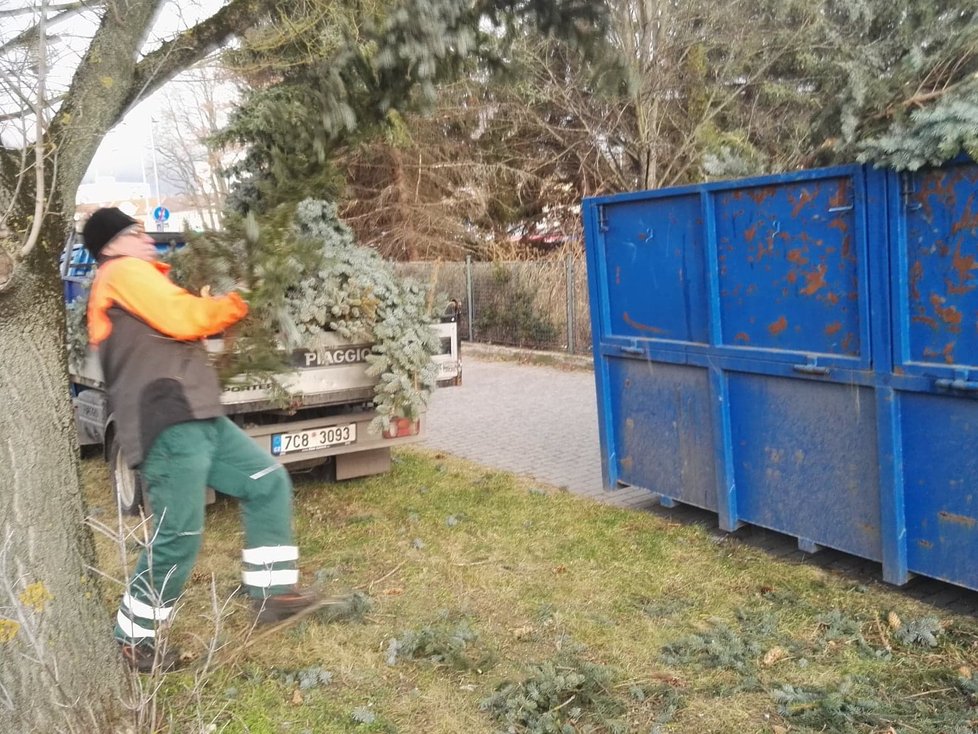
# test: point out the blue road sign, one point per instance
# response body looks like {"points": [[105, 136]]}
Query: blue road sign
{"points": [[161, 214]]}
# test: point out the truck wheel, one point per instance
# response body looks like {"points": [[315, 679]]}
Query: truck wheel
{"points": [[126, 483]]}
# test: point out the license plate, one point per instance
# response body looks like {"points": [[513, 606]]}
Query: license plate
{"points": [[311, 440]]}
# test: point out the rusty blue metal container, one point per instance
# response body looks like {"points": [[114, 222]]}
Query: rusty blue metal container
{"points": [[799, 352]]}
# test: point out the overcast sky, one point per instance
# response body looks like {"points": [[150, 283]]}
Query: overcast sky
{"points": [[127, 150]]}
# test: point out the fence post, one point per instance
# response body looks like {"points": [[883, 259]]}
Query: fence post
{"points": [[570, 303], [468, 291]]}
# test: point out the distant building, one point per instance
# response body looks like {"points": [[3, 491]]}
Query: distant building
{"points": [[133, 197]]}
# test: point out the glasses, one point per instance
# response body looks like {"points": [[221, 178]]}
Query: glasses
{"points": [[132, 229]]}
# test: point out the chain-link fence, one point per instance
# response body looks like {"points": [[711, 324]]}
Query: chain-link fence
{"points": [[535, 304]]}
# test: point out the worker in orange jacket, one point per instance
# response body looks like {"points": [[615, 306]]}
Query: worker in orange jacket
{"points": [[165, 399]]}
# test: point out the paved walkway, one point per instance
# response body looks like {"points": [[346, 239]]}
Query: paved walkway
{"points": [[542, 422], [538, 421]]}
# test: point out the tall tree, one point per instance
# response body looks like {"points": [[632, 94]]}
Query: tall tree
{"points": [[58, 668], [318, 94], [670, 97]]}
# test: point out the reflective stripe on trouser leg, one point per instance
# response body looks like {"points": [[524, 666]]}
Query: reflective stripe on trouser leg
{"points": [[137, 621], [242, 469], [174, 472], [269, 568]]}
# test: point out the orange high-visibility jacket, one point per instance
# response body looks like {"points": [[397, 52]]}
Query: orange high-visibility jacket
{"points": [[148, 332]]}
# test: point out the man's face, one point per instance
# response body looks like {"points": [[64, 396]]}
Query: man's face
{"points": [[132, 242]]}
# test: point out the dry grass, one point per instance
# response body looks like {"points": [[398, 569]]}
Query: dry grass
{"points": [[700, 634]]}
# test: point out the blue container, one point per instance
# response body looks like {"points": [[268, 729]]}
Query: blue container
{"points": [[798, 352]]}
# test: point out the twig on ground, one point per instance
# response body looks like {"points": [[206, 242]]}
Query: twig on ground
{"points": [[369, 587], [285, 624]]}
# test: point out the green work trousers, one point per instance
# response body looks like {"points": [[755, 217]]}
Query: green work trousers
{"points": [[183, 461]]}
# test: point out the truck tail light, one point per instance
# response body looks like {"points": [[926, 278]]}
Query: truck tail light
{"points": [[402, 427]]}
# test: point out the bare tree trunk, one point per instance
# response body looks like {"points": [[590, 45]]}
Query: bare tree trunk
{"points": [[59, 670]]}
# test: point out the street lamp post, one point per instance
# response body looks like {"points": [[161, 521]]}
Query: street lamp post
{"points": [[156, 173]]}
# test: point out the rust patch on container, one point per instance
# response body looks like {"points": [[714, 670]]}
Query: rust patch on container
{"points": [[948, 352], [916, 273], [834, 328], [764, 248], [925, 544], [847, 253], [963, 265], [927, 321], [832, 298], [750, 233], [792, 277], [778, 326], [968, 522], [797, 256], [840, 224], [626, 463], [841, 195], [762, 194], [957, 290], [847, 342], [968, 221], [815, 281], [742, 336], [949, 315], [640, 326], [804, 198]]}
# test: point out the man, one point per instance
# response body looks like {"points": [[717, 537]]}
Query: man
{"points": [[165, 398]]}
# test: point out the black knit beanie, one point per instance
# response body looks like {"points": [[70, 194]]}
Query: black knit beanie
{"points": [[103, 226]]}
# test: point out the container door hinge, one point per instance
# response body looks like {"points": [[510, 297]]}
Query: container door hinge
{"points": [[959, 382], [632, 348], [602, 219], [908, 189], [812, 367], [848, 206]]}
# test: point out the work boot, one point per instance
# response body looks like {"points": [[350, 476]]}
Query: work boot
{"points": [[280, 607], [143, 658]]}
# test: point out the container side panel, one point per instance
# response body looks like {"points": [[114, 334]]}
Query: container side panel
{"points": [[789, 270], [805, 460], [663, 428], [941, 261], [941, 486], [655, 268]]}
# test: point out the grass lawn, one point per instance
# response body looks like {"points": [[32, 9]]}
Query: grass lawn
{"points": [[499, 605]]}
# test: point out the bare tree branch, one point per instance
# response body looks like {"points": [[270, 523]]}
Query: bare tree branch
{"points": [[39, 134], [22, 113], [14, 12], [192, 45], [30, 36]]}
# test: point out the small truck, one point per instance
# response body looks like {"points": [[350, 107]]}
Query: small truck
{"points": [[324, 423]]}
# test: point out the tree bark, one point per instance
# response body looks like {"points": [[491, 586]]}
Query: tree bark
{"points": [[59, 670]]}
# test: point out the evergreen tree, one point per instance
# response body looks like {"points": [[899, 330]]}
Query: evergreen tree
{"points": [[308, 279], [323, 96]]}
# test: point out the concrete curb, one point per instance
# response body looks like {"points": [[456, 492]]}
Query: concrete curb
{"points": [[560, 360]]}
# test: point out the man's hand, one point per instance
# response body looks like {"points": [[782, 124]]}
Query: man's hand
{"points": [[205, 292]]}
